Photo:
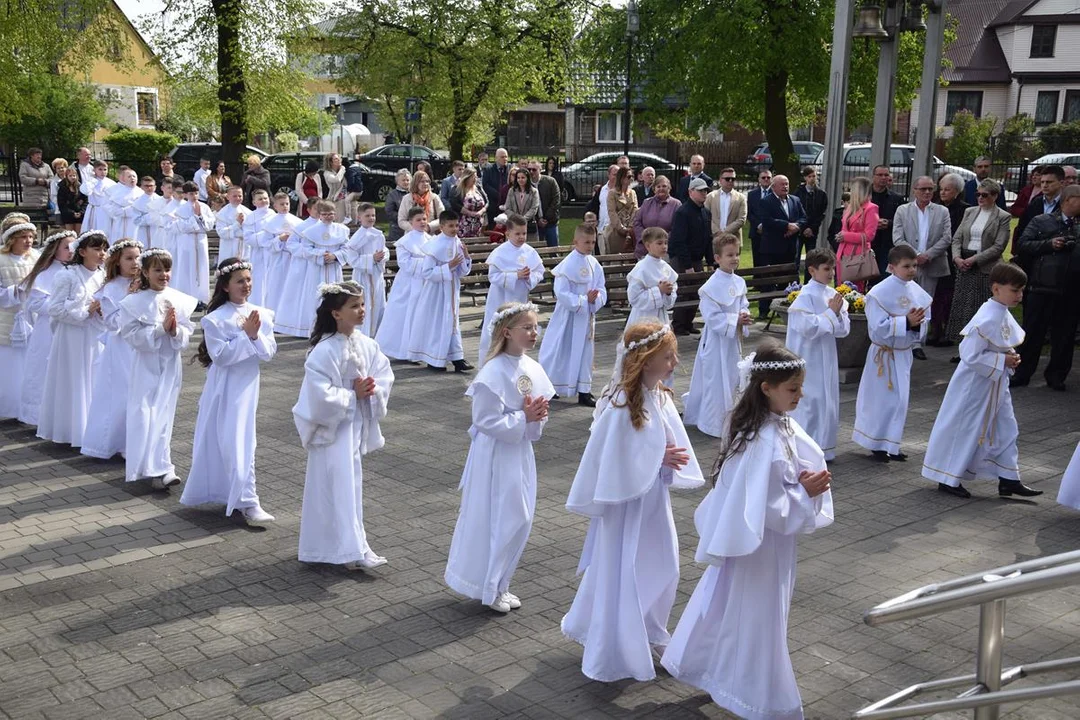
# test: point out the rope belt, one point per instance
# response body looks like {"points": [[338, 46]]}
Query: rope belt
{"points": [[885, 359]]}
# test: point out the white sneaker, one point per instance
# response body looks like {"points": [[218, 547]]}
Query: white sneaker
{"points": [[512, 600], [500, 605], [257, 517], [163, 482], [370, 560]]}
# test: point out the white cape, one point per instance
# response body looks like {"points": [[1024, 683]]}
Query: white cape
{"points": [[369, 274], [505, 286], [567, 348], [394, 331], [434, 326]]}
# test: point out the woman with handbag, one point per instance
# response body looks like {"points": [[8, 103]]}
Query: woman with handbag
{"points": [[854, 259]]}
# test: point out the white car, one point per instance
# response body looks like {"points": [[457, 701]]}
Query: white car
{"points": [[1012, 175]]}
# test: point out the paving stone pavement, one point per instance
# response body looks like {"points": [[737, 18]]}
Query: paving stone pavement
{"points": [[116, 601]]}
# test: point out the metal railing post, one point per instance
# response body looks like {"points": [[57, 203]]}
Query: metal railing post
{"points": [[988, 660]]}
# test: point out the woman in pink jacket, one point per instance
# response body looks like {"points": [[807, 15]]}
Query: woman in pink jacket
{"points": [[860, 224]]}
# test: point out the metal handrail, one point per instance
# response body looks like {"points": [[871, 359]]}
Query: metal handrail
{"points": [[988, 590]]}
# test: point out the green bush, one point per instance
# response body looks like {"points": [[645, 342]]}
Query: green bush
{"points": [[64, 115], [141, 149], [288, 142], [1060, 138], [970, 138], [1016, 140]]}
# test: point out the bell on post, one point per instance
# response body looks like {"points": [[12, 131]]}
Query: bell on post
{"points": [[913, 19], [868, 23]]}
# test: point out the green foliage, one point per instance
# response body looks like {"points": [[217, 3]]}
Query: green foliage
{"points": [[61, 115], [1060, 138], [288, 142], [970, 138], [144, 147], [1016, 140]]}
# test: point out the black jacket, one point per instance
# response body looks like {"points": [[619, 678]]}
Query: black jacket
{"points": [[691, 234], [815, 203], [683, 191], [1051, 271], [887, 203]]}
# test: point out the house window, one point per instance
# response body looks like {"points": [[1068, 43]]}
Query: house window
{"points": [[146, 107], [1046, 107], [609, 127], [1072, 106], [1043, 38], [970, 100]]}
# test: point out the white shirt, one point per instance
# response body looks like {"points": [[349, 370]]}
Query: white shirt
{"points": [[603, 220], [725, 207], [200, 180], [784, 204], [86, 172], [975, 238], [924, 226]]}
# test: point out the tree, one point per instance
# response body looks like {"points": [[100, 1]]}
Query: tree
{"points": [[467, 61], [61, 115], [970, 138], [1016, 140], [140, 149]]}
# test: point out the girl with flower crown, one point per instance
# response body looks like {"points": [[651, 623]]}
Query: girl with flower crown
{"points": [[107, 434], [771, 485], [17, 258], [237, 338], [156, 322], [35, 289], [637, 450], [509, 410], [346, 388], [76, 318]]}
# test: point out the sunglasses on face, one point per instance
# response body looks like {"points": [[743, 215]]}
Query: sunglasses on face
{"points": [[728, 179], [982, 194]]}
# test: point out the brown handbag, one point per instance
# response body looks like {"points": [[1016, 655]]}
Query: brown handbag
{"points": [[862, 266]]}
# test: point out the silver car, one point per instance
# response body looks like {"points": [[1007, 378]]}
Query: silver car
{"points": [[857, 162], [580, 177]]}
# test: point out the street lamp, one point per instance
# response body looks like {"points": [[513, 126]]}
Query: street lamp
{"points": [[633, 25]]}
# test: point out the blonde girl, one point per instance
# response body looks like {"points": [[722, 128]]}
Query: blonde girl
{"points": [[17, 258]]}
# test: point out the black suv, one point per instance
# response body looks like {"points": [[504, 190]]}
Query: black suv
{"points": [[395, 157], [284, 167], [186, 157]]}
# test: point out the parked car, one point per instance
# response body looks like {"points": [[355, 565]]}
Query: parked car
{"points": [[394, 157], [1012, 174], [857, 162], [284, 167], [580, 177], [186, 156], [806, 150]]}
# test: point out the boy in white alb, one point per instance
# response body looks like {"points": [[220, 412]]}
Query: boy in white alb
{"points": [[96, 216], [652, 285], [191, 263], [394, 330], [897, 311], [318, 257], [258, 252], [149, 212], [723, 304], [816, 319], [566, 351], [274, 236], [230, 225], [121, 206], [435, 330], [367, 257], [514, 268], [975, 432]]}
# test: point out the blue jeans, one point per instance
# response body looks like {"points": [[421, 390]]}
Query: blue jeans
{"points": [[550, 234]]}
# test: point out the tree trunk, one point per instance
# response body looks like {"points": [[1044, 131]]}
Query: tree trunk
{"points": [[232, 88], [777, 132]]}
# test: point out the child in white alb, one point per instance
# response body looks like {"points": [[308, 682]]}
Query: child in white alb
{"points": [[96, 216], [434, 327], [514, 268], [318, 258], [274, 237], [230, 225], [394, 330], [367, 257], [258, 253], [726, 311], [772, 486], [193, 219], [343, 397], [1069, 492], [498, 487], [637, 449]]}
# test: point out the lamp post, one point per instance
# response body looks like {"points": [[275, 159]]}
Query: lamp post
{"points": [[835, 119], [633, 24], [928, 93]]}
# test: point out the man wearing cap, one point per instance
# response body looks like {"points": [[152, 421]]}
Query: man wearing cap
{"points": [[688, 245]]}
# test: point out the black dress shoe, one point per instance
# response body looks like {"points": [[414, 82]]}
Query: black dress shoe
{"points": [[681, 332], [879, 456], [435, 368], [694, 331], [554, 397], [1007, 488], [461, 366], [1015, 382], [1059, 386], [898, 457], [586, 399], [955, 360], [918, 354], [959, 491]]}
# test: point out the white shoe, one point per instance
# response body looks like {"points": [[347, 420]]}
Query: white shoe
{"points": [[163, 482], [370, 560], [257, 517], [500, 605], [512, 600]]}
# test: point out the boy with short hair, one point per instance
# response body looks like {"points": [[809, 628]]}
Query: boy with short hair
{"points": [[816, 319], [191, 263], [318, 257], [148, 208], [652, 285], [566, 352], [274, 236], [230, 225], [395, 329], [514, 268], [897, 311], [366, 251], [255, 247], [975, 432], [726, 311], [435, 330]]}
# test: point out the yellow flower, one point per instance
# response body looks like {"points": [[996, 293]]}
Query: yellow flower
{"points": [[859, 305], [791, 297], [843, 289]]}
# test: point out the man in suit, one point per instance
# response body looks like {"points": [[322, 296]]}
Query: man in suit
{"points": [[689, 243], [815, 202], [1047, 201], [924, 226], [887, 202], [782, 219], [727, 206], [753, 212], [982, 171], [697, 172], [494, 179], [84, 164], [644, 189]]}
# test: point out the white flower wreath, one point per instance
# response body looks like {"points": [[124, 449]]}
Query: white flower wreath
{"points": [[514, 309], [18, 227], [242, 265], [152, 252], [336, 288], [58, 236], [122, 246], [648, 339]]}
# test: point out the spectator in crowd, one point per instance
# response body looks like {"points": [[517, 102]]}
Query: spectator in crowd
{"points": [[598, 203], [977, 246], [1070, 175], [354, 190], [420, 195], [783, 218], [165, 170], [334, 176], [403, 178], [1051, 182], [925, 227], [982, 171], [551, 169], [425, 167], [34, 175], [493, 180], [726, 206], [688, 244], [468, 201], [697, 172], [523, 199], [753, 212], [858, 225], [1050, 251], [816, 204], [644, 188], [482, 163], [59, 168], [84, 164], [219, 183], [949, 195], [887, 203], [1026, 194], [547, 220], [310, 183], [256, 177], [621, 207], [450, 182], [657, 211], [200, 178], [70, 202]]}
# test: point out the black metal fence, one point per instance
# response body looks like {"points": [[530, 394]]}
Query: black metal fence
{"points": [[10, 189]]}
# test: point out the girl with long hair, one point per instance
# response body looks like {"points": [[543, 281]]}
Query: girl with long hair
{"points": [[859, 224], [70, 201], [637, 449], [36, 288], [770, 486], [77, 321], [346, 388], [237, 338], [17, 258], [107, 434], [156, 322], [498, 487]]}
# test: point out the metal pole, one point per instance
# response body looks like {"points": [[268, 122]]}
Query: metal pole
{"points": [[835, 122], [626, 119], [884, 102], [988, 660], [927, 130]]}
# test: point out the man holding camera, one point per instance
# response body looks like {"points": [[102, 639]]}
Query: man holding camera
{"points": [[1049, 251]]}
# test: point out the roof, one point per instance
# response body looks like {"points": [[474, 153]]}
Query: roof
{"points": [[606, 89], [976, 54]]}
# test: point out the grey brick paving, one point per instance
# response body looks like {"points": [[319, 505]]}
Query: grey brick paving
{"points": [[117, 602]]}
